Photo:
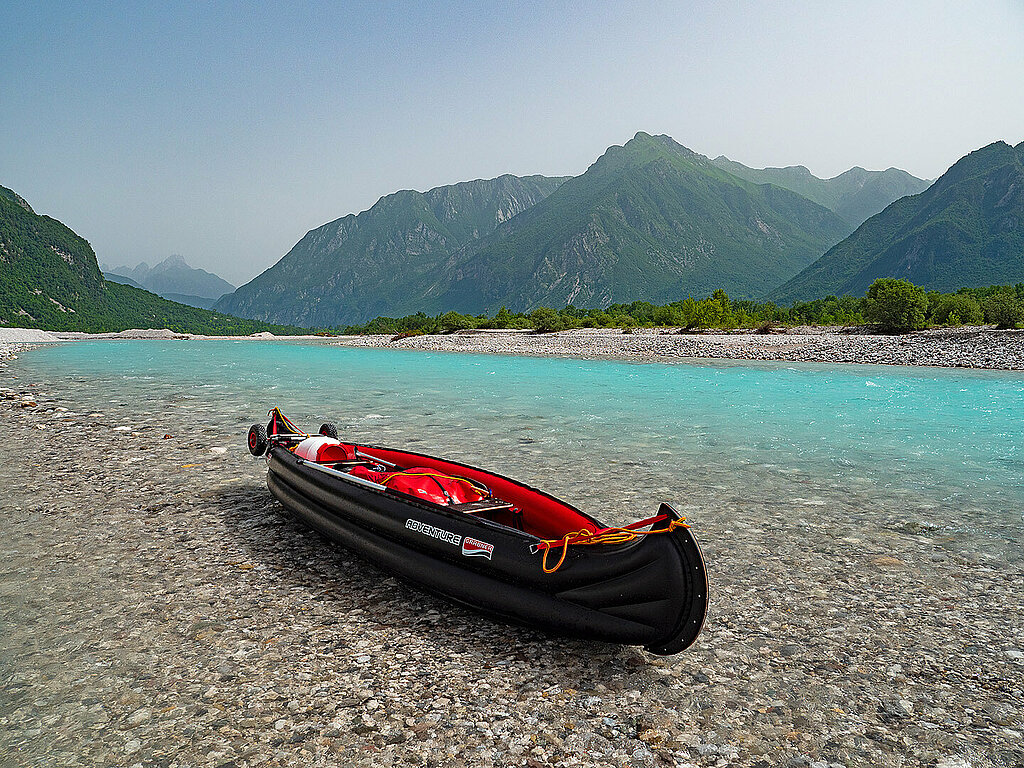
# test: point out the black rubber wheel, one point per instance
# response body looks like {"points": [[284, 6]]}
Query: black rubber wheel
{"points": [[258, 440], [329, 430]]}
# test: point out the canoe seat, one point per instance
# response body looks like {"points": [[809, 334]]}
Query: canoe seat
{"points": [[484, 505]]}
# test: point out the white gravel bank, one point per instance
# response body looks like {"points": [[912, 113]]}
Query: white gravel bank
{"points": [[974, 347], [25, 336]]}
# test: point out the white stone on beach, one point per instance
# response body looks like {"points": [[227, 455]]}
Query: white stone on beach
{"points": [[140, 715], [25, 336]]}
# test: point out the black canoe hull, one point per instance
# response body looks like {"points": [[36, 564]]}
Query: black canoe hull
{"points": [[652, 591]]}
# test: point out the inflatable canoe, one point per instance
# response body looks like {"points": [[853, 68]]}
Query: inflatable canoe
{"points": [[491, 543]]}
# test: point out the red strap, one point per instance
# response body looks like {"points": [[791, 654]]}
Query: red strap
{"points": [[638, 524]]}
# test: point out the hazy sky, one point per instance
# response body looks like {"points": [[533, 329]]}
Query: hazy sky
{"points": [[224, 131]]}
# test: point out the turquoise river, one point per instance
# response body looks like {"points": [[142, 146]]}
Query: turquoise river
{"points": [[937, 452]]}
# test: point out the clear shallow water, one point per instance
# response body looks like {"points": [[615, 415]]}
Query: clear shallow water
{"points": [[926, 449]]}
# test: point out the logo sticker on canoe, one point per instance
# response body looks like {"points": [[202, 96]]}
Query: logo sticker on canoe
{"points": [[432, 532], [475, 548]]}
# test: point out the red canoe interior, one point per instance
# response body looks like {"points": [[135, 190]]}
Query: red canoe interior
{"points": [[542, 515], [532, 511]]}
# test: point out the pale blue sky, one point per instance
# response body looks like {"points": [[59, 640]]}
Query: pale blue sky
{"points": [[224, 131]]}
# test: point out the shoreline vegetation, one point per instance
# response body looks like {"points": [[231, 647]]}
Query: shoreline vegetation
{"points": [[890, 306], [895, 323]]}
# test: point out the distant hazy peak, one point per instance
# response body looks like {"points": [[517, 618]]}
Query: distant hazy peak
{"points": [[174, 277], [174, 260], [855, 194]]}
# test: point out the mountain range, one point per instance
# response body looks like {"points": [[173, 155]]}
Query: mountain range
{"points": [[855, 195], [173, 279], [649, 220], [965, 230], [49, 278]]}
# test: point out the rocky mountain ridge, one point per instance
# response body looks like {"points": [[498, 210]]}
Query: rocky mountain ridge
{"points": [[361, 266], [649, 220]]}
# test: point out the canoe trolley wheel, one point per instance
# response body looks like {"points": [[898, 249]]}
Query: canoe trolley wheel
{"points": [[329, 430], [258, 440]]}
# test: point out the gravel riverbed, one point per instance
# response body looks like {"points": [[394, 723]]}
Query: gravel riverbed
{"points": [[954, 348], [158, 608]]}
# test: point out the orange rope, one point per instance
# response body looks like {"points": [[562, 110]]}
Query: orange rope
{"points": [[586, 537]]}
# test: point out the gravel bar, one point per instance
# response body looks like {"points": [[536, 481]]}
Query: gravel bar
{"points": [[159, 608], [975, 347]]}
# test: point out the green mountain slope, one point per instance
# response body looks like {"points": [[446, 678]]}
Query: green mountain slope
{"points": [[114, 277], [854, 195], [649, 220], [965, 230], [49, 279], [203, 302], [361, 266]]}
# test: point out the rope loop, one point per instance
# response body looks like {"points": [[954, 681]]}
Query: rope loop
{"points": [[586, 537]]}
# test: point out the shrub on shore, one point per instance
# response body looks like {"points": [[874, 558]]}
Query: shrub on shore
{"points": [[954, 309], [896, 305], [546, 320], [1004, 308]]}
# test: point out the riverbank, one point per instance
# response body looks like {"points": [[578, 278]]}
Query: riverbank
{"points": [[34, 336], [979, 347], [160, 609]]}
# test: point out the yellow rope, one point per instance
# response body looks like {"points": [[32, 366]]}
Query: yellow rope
{"points": [[586, 537], [287, 421]]}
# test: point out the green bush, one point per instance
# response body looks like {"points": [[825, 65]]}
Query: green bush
{"points": [[957, 309], [546, 320], [453, 321], [504, 319], [1004, 309], [896, 305]]}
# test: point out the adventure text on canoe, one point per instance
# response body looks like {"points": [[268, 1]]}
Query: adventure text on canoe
{"points": [[437, 533]]}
